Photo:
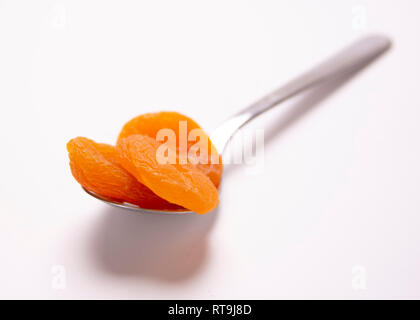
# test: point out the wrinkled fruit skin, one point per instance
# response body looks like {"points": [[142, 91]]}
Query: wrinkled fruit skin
{"points": [[131, 172], [182, 184], [149, 124], [95, 166]]}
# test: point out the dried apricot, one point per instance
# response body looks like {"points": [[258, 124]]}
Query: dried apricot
{"points": [[150, 124], [95, 166], [182, 184]]}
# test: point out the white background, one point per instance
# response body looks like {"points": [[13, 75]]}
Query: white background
{"points": [[340, 187]]}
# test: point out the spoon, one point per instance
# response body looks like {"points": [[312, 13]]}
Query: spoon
{"points": [[345, 62]]}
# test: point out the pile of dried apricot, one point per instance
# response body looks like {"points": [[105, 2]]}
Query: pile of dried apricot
{"points": [[161, 161]]}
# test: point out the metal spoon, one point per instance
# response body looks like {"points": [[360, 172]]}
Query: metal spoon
{"points": [[346, 61]]}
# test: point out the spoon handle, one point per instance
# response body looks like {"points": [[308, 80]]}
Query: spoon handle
{"points": [[350, 59]]}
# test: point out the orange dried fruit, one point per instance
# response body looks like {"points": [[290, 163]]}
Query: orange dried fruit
{"points": [[182, 184], [150, 124], [95, 166]]}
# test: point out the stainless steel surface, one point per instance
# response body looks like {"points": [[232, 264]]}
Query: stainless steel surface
{"points": [[350, 59], [353, 57], [130, 206]]}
